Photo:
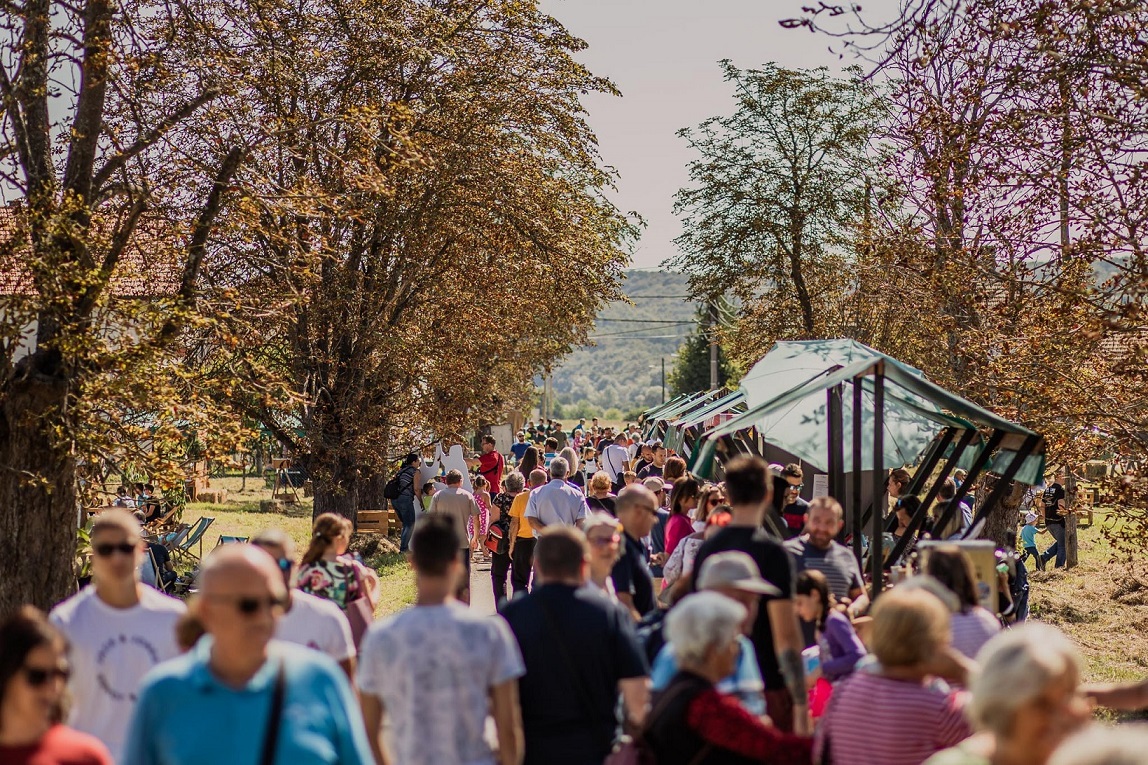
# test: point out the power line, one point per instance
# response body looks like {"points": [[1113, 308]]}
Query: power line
{"points": [[646, 321], [634, 331], [657, 297]]}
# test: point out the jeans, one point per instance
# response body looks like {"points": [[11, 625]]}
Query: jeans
{"points": [[405, 509], [521, 563], [1035, 555], [1057, 549], [499, 568]]}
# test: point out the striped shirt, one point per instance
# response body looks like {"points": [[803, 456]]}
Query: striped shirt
{"points": [[873, 719], [836, 562], [973, 629]]}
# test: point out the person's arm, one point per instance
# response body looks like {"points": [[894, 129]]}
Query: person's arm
{"points": [[1127, 696], [373, 714], [507, 722], [627, 601], [722, 722], [787, 644], [536, 524], [635, 698], [514, 524], [845, 647]]}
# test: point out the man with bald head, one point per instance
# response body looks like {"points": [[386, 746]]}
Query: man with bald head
{"points": [[255, 699], [637, 510]]}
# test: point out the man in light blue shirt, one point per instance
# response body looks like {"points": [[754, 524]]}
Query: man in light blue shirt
{"points": [[214, 705], [556, 503]]}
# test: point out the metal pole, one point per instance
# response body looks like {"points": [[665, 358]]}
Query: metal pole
{"points": [[876, 561], [713, 345], [858, 469], [974, 471], [836, 442], [663, 379]]}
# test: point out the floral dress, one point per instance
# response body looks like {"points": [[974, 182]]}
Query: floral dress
{"points": [[332, 580], [483, 516]]}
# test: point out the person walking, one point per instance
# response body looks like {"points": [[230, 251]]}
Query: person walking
{"points": [[327, 572], [405, 503], [1054, 510], [604, 535], [436, 670], [580, 652], [118, 629], [490, 463], [34, 671], [458, 503], [598, 494], [476, 528], [500, 518], [307, 620], [522, 537], [776, 636], [637, 509], [238, 695], [818, 549], [556, 503], [615, 459]]}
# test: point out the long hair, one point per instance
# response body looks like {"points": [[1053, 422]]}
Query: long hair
{"points": [[327, 527], [813, 582], [684, 488], [952, 567], [531, 460], [20, 634]]}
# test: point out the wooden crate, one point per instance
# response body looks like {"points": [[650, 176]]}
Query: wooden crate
{"points": [[373, 522]]}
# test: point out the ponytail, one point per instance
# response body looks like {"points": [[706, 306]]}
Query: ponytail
{"points": [[327, 527]]}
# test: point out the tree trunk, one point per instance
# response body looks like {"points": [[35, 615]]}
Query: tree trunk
{"points": [[371, 492], [38, 509], [341, 498], [1004, 517]]}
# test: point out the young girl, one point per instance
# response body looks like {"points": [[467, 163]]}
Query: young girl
{"points": [[841, 649], [478, 536], [427, 495]]}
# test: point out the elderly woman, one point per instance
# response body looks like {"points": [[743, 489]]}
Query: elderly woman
{"points": [[691, 723], [598, 495], [1025, 700], [574, 476], [972, 624], [894, 714], [33, 674], [512, 486], [604, 533]]}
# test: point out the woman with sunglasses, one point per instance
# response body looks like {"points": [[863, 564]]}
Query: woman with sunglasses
{"points": [[33, 673], [604, 533]]}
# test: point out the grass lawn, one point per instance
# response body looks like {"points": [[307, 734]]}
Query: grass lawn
{"points": [[244, 519], [1102, 604]]}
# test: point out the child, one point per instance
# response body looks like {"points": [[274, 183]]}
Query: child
{"points": [[840, 647], [630, 477], [1028, 534], [427, 495]]}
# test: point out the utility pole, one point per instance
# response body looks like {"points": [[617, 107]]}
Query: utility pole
{"points": [[663, 379], [713, 346]]}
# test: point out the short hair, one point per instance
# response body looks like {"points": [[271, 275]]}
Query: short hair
{"points": [[654, 484], [948, 489], [488, 440], [559, 467], [514, 481], [900, 475], [629, 474], [1104, 745], [909, 626], [793, 470], [632, 495], [656, 445], [826, 503], [600, 481], [428, 485], [537, 477], [276, 538], [952, 567], [22, 632], [117, 519], [551, 443], [747, 480], [571, 457], [453, 477], [1015, 667], [560, 552], [700, 622], [434, 544]]}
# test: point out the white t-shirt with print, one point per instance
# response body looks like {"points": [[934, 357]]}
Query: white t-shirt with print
{"points": [[433, 668], [318, 624], [111, 650]]}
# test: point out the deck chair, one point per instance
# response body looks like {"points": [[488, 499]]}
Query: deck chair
{"points": [[175, 537], [228, 539], [165, 521], [194, 537]]}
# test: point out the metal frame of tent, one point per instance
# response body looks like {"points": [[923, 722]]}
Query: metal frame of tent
{"points": [[1008, 450]]}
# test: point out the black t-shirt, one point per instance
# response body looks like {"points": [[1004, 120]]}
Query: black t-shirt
{"points": [[631, 574], [599, 639], [606, 504], [162, 556], [650, 470], [776, 568], [1052, 496]]}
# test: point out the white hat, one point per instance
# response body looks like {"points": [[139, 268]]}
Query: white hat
{"points": [[1030, 517], [734, 569]]}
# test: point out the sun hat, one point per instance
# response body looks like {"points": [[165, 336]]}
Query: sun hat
{"points": [[733, 569]]}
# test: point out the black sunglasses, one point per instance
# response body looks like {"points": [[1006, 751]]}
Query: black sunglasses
{"points": [[37, 677], [107, 549], [251, 606]]}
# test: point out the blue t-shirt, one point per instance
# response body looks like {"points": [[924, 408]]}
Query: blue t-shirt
{"points": [[187, 716], [745, 683], [1028, 535], [518, 449]]}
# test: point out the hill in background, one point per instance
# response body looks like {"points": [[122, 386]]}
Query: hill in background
{"points": [[623, 370]]}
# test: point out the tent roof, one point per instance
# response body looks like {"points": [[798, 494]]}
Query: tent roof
{"points": [[788, 407]]}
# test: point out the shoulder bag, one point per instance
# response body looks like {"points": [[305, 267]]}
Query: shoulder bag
{"points": [[271, 735], [359, 611]]}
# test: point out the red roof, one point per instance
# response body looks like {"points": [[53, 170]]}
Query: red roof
{"points": [[145, 269]]}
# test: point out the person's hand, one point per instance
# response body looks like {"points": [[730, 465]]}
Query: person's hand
{"points": [[658, 559]]}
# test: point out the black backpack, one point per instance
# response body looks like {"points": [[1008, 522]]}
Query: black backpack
{"points": [[391, 489]]}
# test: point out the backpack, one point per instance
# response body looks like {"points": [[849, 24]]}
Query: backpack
{"points": [[391, 489]]}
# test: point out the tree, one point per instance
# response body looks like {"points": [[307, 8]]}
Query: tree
{"points": [[773, 192], [97, 198], [691, 372]]}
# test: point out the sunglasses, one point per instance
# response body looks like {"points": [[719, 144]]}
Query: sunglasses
{"points": [[37, 677], [715, 501], [249, 606], [797, 487], [107, 549], [603, 541]]}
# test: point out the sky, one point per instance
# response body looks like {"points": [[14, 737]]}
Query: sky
{"points": [[662, 55]]}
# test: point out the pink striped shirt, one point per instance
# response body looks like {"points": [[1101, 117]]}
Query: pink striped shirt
{"points": [[872, 719]]}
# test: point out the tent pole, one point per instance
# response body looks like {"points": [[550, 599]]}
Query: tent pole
{"points": [[932, 457], [836, 443], [1001, 487], [974, 471], [858, 471], [876, 561]]}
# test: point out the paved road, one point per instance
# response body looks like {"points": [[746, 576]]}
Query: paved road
{"points": [[481, 592]]}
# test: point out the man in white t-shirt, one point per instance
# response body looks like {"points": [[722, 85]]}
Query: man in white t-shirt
{"points": [[307, 620], [437, 670], [118, 629], [615, 458]]}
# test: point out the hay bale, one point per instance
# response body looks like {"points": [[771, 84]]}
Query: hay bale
{"points": [[213, 496], [271, 506]]}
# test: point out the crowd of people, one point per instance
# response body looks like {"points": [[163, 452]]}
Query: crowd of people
{"points": [[650, 617]]}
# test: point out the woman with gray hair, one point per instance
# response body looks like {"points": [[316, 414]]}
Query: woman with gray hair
{"points": [[1025, 699], [574, 475], [499, 531], [691, 723]]}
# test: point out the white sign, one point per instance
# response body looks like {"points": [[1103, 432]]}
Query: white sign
{"points": [[821, 485]]}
